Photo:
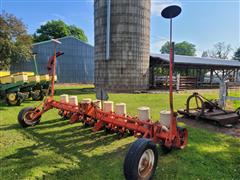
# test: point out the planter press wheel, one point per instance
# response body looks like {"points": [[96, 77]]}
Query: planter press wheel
{"points": [[183, 135], [24, 117], [64, 115], [141, 160], [39, 96], [12, 99], [199, 104]]}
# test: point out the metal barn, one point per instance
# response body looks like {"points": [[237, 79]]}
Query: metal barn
{"points": [[76, 65]]}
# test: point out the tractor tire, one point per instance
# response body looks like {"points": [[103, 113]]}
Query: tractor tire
{"points": [[141, 160], [24, 120]]}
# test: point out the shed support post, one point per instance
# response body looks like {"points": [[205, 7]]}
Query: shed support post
{"points": [[211, 77], [235, 75]]}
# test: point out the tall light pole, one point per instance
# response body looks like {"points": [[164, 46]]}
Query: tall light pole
{"points": [[171, 12]]}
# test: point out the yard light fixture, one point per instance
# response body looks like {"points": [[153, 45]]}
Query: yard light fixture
{"points": [[171, 12]]}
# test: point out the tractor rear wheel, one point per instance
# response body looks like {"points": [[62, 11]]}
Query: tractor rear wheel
{"points": [[24, 117], [141, 160]]}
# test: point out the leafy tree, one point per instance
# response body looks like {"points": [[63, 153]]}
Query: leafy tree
{"points": [[221, 50], [77, 32], [15, 43], [58, 29], [182, 48], [237, 54], [165, 48]]}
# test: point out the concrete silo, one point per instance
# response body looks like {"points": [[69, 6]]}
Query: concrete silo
{"points": [[122, 32]]}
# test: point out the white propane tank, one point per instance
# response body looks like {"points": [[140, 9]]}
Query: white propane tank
{"points": [[165, 118], [108, 106], [86, 100], [120, 108], [64, 98], [97, 103], [73, 100], [143, 113]]}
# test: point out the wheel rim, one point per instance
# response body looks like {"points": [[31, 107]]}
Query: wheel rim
{"points": [[146, 163], [12, 96], [28, 118]]}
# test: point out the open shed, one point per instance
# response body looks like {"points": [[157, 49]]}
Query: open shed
{"points": [[191, 72]]}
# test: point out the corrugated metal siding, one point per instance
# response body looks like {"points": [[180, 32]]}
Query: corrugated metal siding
{"points": [[75, 66]]}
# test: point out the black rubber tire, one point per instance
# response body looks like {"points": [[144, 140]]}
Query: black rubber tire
{"points": [[133, 157], [21, 115]]}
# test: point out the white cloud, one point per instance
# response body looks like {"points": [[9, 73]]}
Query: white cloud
{"points": [[159, 5]]}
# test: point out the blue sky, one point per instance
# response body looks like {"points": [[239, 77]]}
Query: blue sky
{"points": [[202, 22]]}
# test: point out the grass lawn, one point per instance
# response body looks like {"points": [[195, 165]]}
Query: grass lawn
{"points": [[57, 150]]}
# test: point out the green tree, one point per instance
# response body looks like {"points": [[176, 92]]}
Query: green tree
{"points": [[237, 54], [58, 29], [77, 33], [182, 48], [15, 43]]}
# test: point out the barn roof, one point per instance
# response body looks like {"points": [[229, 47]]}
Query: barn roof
{"points": [[66, 37], [192, 61]]}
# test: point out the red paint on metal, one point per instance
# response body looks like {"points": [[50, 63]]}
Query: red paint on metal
{"points": [[92, 115]]}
